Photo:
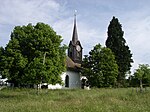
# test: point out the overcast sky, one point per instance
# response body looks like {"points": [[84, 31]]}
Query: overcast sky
{"points": [[93, 18]]}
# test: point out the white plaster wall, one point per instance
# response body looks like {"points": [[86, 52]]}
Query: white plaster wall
{"points": [[74, 79], [56, 86]]}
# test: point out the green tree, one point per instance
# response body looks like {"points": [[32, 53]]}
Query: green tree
{"points": [[117, 44], [100, 67], [28, 47], [1, 61], [142, 74]]}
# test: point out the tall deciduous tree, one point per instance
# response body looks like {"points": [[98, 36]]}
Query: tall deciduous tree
{"points": [[28, 47], [117, 44], [100, 67]]}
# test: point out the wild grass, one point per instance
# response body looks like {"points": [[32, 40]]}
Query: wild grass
{"points": [[75, 100]]}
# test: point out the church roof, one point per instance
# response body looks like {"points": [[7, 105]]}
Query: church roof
{"points": [[71, 65]]}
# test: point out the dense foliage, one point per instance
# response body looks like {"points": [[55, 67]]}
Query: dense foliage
{"points": [[100, 67], [33, 55], [117, 44]]}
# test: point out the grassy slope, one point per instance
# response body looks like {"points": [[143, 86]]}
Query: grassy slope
{"points": [[95, 100]]}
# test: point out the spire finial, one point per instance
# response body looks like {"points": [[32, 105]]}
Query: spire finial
{"points": [[75, 13], [75, 35]]}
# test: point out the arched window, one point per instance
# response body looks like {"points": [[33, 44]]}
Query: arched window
{"points": [[67, 81]]}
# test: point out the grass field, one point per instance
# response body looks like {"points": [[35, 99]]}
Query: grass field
{"points": [[76, 100]]}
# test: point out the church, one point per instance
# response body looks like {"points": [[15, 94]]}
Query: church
{"points": [[72, 77]]}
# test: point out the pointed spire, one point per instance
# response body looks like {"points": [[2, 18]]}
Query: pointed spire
{"points": [[75, 34]]}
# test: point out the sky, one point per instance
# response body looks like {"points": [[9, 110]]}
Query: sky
{"points": [[93, 18]]}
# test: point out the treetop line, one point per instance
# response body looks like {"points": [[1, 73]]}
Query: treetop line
{"points": [[21, 61]]}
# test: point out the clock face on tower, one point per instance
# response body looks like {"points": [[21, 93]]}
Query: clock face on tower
{"points": [[78, 48]]}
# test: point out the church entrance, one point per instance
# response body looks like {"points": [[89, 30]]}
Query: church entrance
{"points": [[67, 81]]}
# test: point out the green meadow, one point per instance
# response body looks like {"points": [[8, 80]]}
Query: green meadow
{"points": [[75, 100]]}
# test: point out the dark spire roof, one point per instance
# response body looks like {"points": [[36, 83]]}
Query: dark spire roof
{"points": [[75, 34]]}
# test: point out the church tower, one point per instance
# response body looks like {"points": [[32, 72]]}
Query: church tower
{"points": [[75, 48]]}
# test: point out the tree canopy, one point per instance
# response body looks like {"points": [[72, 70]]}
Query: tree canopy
{"points": [[100, 67], [28, 47], [142, 75], [117, 44]]}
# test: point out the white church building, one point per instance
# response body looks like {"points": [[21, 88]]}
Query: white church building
{"points": [[72, 77]]}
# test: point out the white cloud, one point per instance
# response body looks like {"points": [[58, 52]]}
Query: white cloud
{"points": [[136, 26], [25, 11], [22, 12]]}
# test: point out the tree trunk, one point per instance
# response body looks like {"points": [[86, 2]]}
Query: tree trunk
{"points": [[141, 85], [37, 89]]}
